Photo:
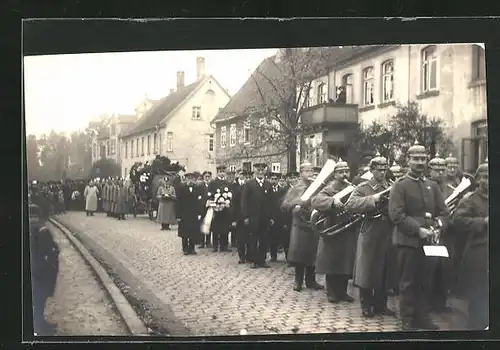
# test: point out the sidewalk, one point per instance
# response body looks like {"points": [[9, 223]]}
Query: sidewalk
{"points": [[212, 295]]}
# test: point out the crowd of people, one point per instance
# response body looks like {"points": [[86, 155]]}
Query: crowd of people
{"points": [[262, 214]]}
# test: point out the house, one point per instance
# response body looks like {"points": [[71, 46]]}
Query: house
{"points": [[447, 80], [178, 125], [235, 137], [106, 141]]}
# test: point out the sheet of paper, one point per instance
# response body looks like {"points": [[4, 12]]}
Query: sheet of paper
{"points": [[436, 250]]}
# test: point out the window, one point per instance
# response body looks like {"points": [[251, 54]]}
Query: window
{"points": [[246, 166], [155, 143], [262, 121], [125, 174], [149, 144], [94, 150], [276, 167], [126, 149], [197, 113], [108, 148], [223, 136], [142, 146], [306, 100], [137, 148], [113, 146], [232, 168], [170, 141], [478, 63], [429, 69], [211, 142], [113, 129], [322, 93], [232, 135], [387, 81], [246, 131], [132, 149], [368, 84], [347, 84]]}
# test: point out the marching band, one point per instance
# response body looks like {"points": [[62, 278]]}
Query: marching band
{"points": [[419, 233]]}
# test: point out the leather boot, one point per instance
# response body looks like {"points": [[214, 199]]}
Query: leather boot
{"points": [[311, 279], [330, 290], [299, 278]]}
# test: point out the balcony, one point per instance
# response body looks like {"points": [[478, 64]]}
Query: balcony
{"points": [[330, 113]]}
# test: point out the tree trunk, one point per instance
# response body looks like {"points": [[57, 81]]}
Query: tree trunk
{"points": [[292, 157]]}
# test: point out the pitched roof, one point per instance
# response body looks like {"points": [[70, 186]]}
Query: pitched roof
{"points": [[339, 55], [162, 109], [252, 93]]}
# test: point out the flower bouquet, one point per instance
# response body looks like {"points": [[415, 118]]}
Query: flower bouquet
{"points": [[221, 201]]}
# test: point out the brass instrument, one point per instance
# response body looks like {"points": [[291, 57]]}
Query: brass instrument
{"points": [[336, 220], [320, 181], [457, 194], [382, 205]]}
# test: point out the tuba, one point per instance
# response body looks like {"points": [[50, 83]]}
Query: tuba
{"points": [[337, 220], [320, 181]]}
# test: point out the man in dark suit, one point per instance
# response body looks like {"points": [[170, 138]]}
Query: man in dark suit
{"points": [[222, 219], [44, 257], [278, 230], [256, 210], [232, 179], [238, 226], [189, 209], [206, 178]]}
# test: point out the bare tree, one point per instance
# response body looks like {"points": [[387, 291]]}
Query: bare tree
{"points": [[281, 85]]}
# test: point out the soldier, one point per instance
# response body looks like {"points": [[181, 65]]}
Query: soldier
{"points": [[190, 206], [278, 231], [336, 254], [414, 204], [452, 171], [395, 172], [222, 219], [316, 171], [303, 240], [374, 242], [105, 200], [249, 175], [357, 179], [471, 217], [237, 220], [256, 211], [292, 178], [286, 216], [206, 178], [44, 268]]}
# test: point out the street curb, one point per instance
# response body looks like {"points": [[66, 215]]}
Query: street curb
{"points": [[129, 316]]}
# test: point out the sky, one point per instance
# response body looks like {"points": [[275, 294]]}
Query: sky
{"points": [[64, 92]]}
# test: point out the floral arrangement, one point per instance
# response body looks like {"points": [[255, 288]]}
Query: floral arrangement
{"points": [[222, 199]]}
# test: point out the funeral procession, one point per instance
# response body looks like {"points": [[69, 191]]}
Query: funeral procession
{"points": [[266, 191]]}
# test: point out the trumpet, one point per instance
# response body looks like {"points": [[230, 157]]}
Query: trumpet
{"points": [[458, 193], [382, 205]]}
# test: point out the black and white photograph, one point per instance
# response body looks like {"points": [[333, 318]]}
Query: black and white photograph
{"points": [[273, 191]]}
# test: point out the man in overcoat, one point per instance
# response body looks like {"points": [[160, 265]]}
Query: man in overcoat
{"points": [[452, 171], [256, 211], [206, 179], [278, 231], [105, 201], [336, 254], [441, 277], [237, 221], [233, 240], [44, 258], [372, 266], [190, 207], [222, 219], [415, 203], [303, 240], [472, 217]]}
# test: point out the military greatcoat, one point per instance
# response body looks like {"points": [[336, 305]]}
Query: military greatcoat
{"points": [[303, 240], [469, 219], [336, 253], [372, 268]]}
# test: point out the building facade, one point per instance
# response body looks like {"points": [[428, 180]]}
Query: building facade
{"points": [[178, 126], [447, 80]]}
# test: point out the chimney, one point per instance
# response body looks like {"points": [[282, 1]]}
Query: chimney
{"points": [[180, 80], [200, 67]]}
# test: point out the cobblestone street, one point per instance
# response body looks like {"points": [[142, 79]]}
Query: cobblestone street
{"points": [[212, 295], [80, 306]]}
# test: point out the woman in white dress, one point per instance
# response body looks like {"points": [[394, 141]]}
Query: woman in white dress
{"points": [[90, 195]]}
